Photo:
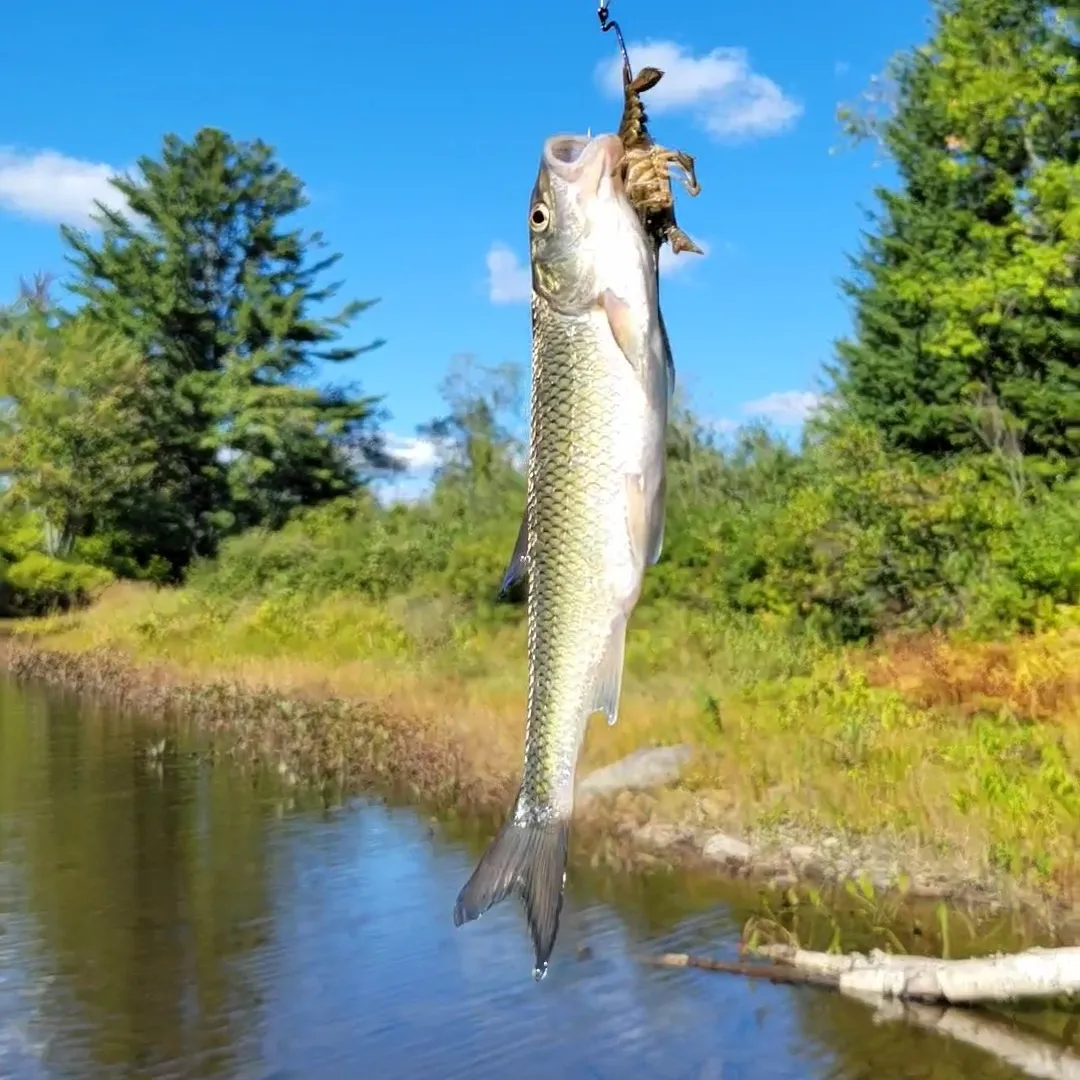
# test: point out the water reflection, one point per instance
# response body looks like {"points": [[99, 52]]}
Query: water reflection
{"points": [[143, 884], [165, 918]]}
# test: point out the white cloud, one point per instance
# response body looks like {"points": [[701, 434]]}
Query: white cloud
{"points": [[726, 96], [418, 454], [509, 281], [47, 186], [785, 407]]}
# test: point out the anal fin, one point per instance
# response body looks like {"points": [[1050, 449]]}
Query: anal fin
{"points": [[608, 678]]}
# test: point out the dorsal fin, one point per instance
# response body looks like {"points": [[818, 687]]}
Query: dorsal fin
{"points": [[518, 567]]}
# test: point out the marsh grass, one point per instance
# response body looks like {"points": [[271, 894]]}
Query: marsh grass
{"points": [[950, 750]]}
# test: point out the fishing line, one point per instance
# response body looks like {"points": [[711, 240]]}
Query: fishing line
{"points": [[607, 23]]}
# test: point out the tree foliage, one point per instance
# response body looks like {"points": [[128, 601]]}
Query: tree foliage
{"points": [[73, 445], [967, 295]]}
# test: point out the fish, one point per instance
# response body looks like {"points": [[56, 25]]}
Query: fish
{"points": [[648, 165], [594, 516]]}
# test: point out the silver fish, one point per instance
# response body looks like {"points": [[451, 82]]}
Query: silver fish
{"points": [[594, 516]]}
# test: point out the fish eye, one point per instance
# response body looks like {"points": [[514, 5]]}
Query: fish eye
{"points": [[539, 218]]}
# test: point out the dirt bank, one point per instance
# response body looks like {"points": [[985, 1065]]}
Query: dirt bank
{"points": [[320, 738]]}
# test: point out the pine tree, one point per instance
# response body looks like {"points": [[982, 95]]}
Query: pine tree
{"points": [[202, 272], [967, 293]]}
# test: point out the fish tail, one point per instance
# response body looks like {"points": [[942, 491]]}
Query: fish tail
{"points": [[529, 858]]}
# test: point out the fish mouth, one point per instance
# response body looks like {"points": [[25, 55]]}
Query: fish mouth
{"points": [[581, 159]]}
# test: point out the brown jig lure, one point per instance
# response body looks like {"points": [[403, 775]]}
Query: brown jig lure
{"points": [[648, 165]]}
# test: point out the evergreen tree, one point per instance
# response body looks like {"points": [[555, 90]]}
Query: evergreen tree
{"points": [[967, 306], [202, 272]]}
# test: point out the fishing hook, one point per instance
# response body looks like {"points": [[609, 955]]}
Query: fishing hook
{"points": [[606, 24]]}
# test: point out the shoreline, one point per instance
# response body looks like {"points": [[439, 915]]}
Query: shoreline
{"points": [[317, 739]]}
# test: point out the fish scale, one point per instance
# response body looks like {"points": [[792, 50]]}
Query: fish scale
{"points": [[574, 470]]}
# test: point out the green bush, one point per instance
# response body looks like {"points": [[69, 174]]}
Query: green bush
{"points": [[37, 584], [19, 535], [850, 539], [840, 537]]}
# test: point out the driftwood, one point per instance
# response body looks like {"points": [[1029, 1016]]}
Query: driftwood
{"points": [[1035, 973], [925, 992], [775, 973]]}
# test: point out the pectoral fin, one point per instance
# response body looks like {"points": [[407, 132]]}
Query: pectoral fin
{"points": [[518, 567], [645, 519], [655, 541], [621, 320], [669, 360], [608, 679], [637, 518]]}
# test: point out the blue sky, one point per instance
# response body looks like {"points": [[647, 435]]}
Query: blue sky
{"points": [[418, 129]]}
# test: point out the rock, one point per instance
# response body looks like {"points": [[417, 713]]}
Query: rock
{"points": [[659, 834], [652, 766], [726, 849], [881, 879], [784, 881], [936, 887], [801, 854], [767, 867]]}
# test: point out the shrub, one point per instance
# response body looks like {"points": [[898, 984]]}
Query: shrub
{"points": [[37, 584]]}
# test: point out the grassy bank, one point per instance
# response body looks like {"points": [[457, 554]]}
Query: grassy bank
{"points": [[942, 758]]}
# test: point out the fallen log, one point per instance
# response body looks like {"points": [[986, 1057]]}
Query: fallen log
{"points": [[775, 973], [1034, 973]]}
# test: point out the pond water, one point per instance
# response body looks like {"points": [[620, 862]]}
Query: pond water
{"points": [[170, 917]]}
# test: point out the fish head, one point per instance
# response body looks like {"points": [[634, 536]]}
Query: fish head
{"points": [[578, 188]]}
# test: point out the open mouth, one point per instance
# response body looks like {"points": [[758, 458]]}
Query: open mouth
{"points": [[570, 157], [566, 150]]}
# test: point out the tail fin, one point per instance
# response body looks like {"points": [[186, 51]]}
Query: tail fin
{"points": [[529, 859]]}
